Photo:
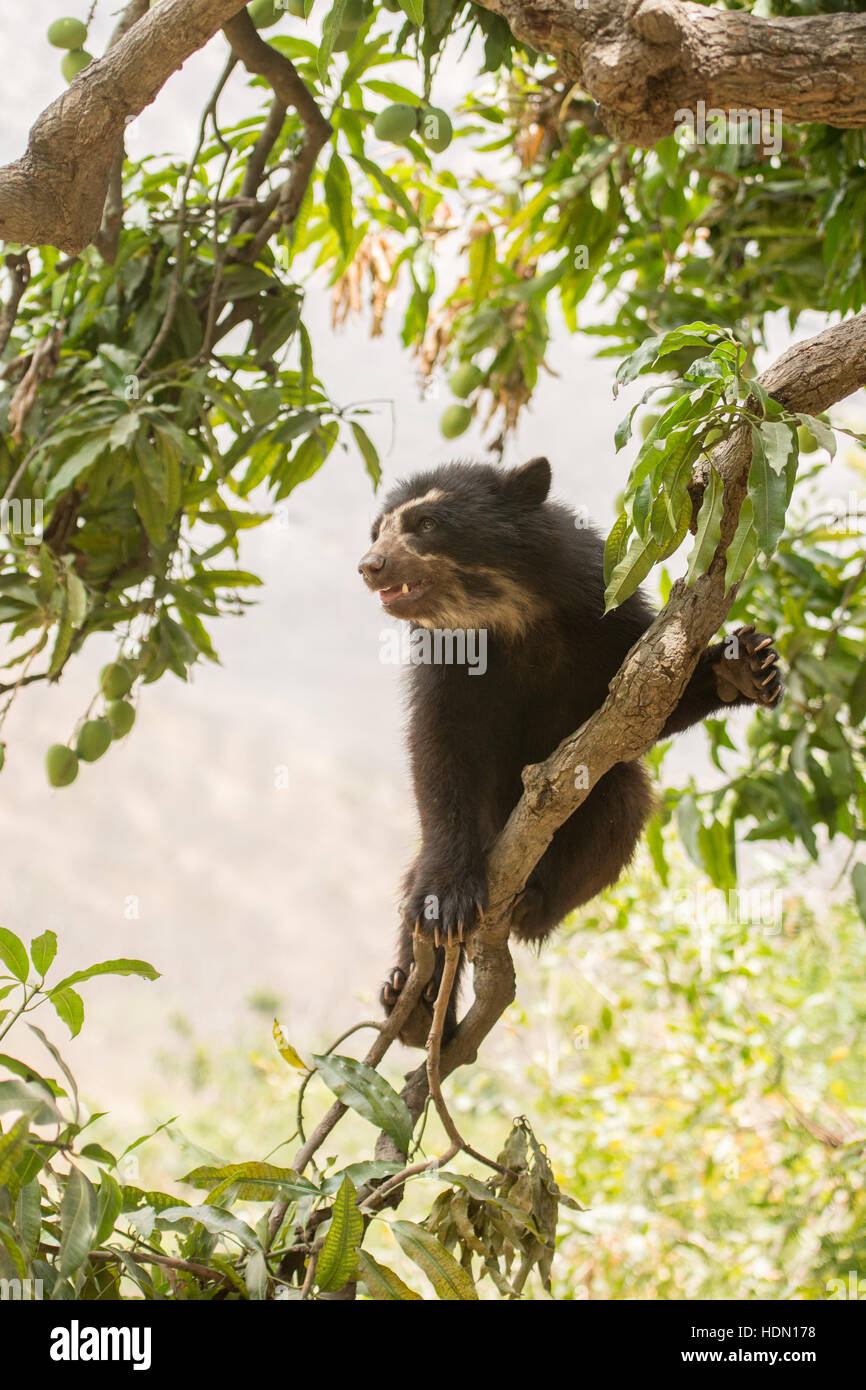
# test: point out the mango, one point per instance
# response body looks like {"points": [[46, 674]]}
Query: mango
{"points": [[121, 716], [465, 380], [67, 33], [436, 129], [94, 737], [455, 420], [115, 680], [61, 765], [396, 123], [74, 62]]}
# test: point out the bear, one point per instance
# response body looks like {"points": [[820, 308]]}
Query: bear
{"points": [[471, 547]]}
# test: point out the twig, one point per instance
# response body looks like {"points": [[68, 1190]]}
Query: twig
{"points": [[18, 267], [177, 273], [357, 1028], [311, 1269], [172, 1262]]}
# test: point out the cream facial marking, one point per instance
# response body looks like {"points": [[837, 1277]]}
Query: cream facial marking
{"points": [[391, 520]]}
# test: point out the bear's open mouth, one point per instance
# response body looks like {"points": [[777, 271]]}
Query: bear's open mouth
{"points": [[396, 592]]}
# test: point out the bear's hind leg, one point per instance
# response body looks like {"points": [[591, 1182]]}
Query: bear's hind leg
{"points": [[587, 854]]}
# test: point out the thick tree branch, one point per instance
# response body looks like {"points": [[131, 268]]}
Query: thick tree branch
{"points": [[55, 193], [643, 60]]}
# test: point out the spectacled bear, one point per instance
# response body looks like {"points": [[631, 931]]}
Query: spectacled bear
{"points": [[473, 546]]}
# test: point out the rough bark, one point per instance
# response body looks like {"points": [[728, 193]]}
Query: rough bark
{"points": [[643, 60], [55, 193]]}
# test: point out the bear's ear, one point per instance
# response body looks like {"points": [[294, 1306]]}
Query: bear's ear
{"points": [[528, 485]]}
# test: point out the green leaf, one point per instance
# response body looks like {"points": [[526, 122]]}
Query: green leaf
{"points": [[689, 824], [28, 1216], [369, 1094], [110, 1203], [450, 1280], [217, 1221], [12, 1147], [382, 1283], [714, 843], [255, 1182], [414, 9], [615, 546], [741, 551], [31, 1098], [43, 949], [78, 1221], [330, 29], [823, 433], [779, 439], [631, 571], [122, 966], [708, 528], [857, 696], [69, 1007], [769, 494], [256, 1276], [151, 489], [338, 197], [369, 452], [858, 880], [87, 453], [13, 954], [9, 1243], [389, 187], [47, 1043], [339, 1254]]}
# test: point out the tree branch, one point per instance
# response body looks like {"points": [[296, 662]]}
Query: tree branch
{"points": [[55, 193], [643, 60], [18, 267]]}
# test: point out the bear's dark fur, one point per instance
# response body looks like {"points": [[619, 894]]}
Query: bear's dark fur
{"points": [[470, 546]]}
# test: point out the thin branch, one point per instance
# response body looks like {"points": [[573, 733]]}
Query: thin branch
{"points": [[18, 267], [172, 1262], [177, 273]]}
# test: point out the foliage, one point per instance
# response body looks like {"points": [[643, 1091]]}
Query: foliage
{"points": [[72, 1227]]}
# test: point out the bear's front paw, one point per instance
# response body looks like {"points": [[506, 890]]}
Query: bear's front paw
{"points": [[446, 906], [749, 666]]}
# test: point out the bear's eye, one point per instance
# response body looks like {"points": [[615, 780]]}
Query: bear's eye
{"points": [[426, 524]]}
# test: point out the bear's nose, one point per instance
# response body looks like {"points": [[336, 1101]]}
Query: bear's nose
{"points": [[371, 564]]}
